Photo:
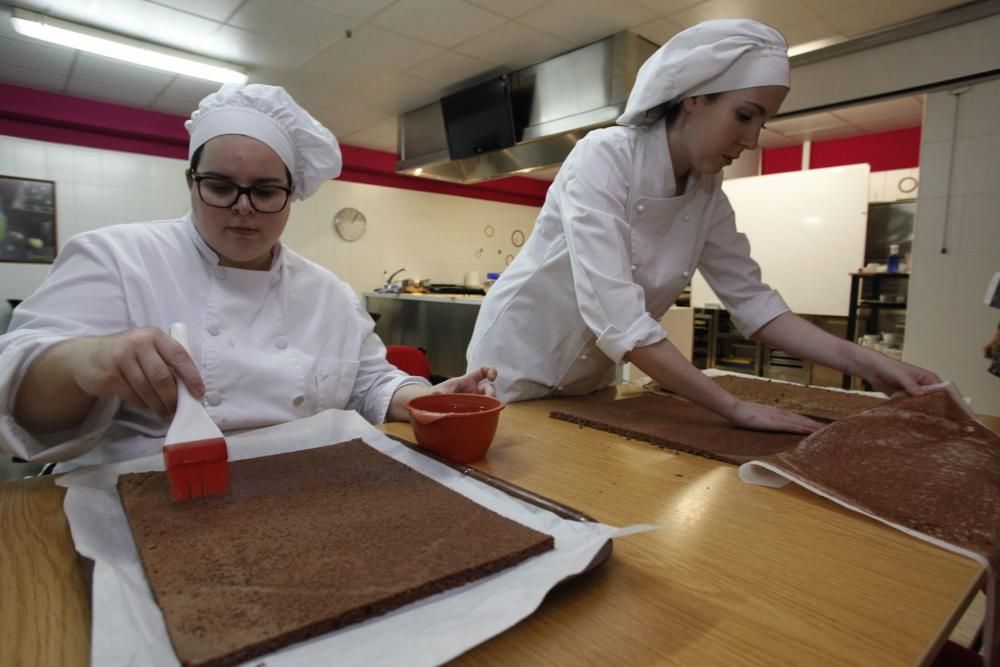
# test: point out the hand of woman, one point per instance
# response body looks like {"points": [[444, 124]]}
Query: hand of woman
{"points": [[768, 418], [990, 344], [478, 381], [889, 376], [137, 365]]}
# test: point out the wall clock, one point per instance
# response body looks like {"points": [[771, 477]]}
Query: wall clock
{"points": [[350, 224]]}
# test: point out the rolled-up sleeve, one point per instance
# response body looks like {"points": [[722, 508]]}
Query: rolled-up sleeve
{"points": [[598, 237], [730, 270]]}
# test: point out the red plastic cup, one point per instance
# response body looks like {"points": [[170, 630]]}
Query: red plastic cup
{"points": [[459, 427]]}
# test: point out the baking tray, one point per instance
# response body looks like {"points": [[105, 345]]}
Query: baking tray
{"points": [[515, 491]]}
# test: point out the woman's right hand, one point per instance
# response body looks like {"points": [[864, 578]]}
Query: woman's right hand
{"points": [[768, 418], [136, 365]]}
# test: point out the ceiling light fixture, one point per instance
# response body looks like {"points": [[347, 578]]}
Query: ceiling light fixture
{"points": [[114, 46]]}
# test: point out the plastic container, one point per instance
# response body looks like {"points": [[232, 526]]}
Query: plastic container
{"points": [[459, 427], [490, 279], [893, 265]]}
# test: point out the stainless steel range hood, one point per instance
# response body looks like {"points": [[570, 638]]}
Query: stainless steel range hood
{"points": [[558, 102]]}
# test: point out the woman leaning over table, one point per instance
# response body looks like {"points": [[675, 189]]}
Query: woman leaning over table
{"points": [[87, 371], [634, 210]]}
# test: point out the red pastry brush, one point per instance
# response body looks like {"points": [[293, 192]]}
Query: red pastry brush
{"points": [[194, 451]]}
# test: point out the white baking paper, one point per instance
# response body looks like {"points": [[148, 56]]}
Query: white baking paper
{"points": [[128, 627], [766, 474]]}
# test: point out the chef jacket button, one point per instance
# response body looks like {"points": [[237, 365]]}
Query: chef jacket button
{"points": [[635, 266], [559, 388], [281, 342], [583, 357], [298, 400], [686, 217], [213, 329], [220, 273], [213, 398], [686, 274], [640, 208]]}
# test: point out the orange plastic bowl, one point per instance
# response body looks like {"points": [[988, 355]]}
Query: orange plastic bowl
{"points": [[459, 427]]}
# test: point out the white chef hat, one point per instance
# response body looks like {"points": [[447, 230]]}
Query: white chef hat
{"points": [[710, 57], [270, 115]]}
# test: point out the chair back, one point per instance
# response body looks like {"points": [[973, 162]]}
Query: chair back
{"points": [[409, 359]]}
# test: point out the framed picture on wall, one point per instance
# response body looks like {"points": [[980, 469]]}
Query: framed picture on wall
{"points": [[27, 220]]}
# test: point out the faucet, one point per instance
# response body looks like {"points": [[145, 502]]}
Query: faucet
{"points": [[388, 281]]}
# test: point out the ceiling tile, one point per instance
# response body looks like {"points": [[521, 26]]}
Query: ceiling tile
{"points": [[873, 16], [509, 8], [583, 21], [217, 10], [776, 140], [144, 80], [95, 90], [271, 50], [399, 93], [514, 46], [668, 7], [448, 68], [441, 22], [810, 30], [788, 126], [359, 9], [381, 136], [289, 27], [868, 113], [776, 14], [32, 78], [36, 55], [372, 46], [889, 124], [826, 7], [659, 31], [183, 86]]}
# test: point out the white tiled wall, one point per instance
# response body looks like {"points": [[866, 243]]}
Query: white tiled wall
{"points": [[947, 321], [433, 236]]}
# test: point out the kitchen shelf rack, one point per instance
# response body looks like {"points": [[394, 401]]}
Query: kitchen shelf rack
{"points": [[868, 304]]}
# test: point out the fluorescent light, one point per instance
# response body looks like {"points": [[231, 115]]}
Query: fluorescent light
{"points": [[132, 51], [814, 45]]}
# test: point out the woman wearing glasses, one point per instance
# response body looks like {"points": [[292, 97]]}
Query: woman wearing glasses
{"points": [[87, 371]]}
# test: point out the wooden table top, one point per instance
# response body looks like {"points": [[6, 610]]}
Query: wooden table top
{"points": [[737, 574]]}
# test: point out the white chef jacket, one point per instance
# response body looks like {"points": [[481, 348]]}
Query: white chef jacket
{"points": [[272, 346], [610, 251]]}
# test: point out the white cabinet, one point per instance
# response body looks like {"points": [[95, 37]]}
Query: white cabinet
{"points": [[893, 185]]}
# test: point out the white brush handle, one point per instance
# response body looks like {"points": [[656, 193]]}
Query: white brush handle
{"points": [[191, 422]]}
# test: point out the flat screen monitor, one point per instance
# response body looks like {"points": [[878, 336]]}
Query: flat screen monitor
{"points": [[479, 119]]}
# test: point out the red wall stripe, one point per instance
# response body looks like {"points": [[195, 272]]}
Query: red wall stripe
{"points": [[778, 160], [46, 116], [896, 149]]}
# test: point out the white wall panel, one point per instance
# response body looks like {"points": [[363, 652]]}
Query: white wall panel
{"points": [[806, 230]]}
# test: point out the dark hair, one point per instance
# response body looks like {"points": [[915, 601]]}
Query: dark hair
{"points": [[674, 111], [196, 158]]}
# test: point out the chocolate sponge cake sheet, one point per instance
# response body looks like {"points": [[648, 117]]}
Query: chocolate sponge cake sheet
{"points": [[305, 543], [675, 423], [818, 403], [922, 464]]}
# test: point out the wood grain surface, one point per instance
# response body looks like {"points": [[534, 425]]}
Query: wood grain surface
{"points": [[736, 574]]}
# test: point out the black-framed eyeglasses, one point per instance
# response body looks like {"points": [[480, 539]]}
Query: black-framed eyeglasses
{"points": [[221, 193]]}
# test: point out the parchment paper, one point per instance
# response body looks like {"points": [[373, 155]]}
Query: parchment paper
{"points": [[128, 627]]}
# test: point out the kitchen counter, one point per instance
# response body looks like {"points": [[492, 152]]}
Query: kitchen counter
{"points": [[736, 574], [440, 324], [465, 299]]}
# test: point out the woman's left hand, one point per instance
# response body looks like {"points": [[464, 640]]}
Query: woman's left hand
{"points": [[889, 376], [479, 381]]}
